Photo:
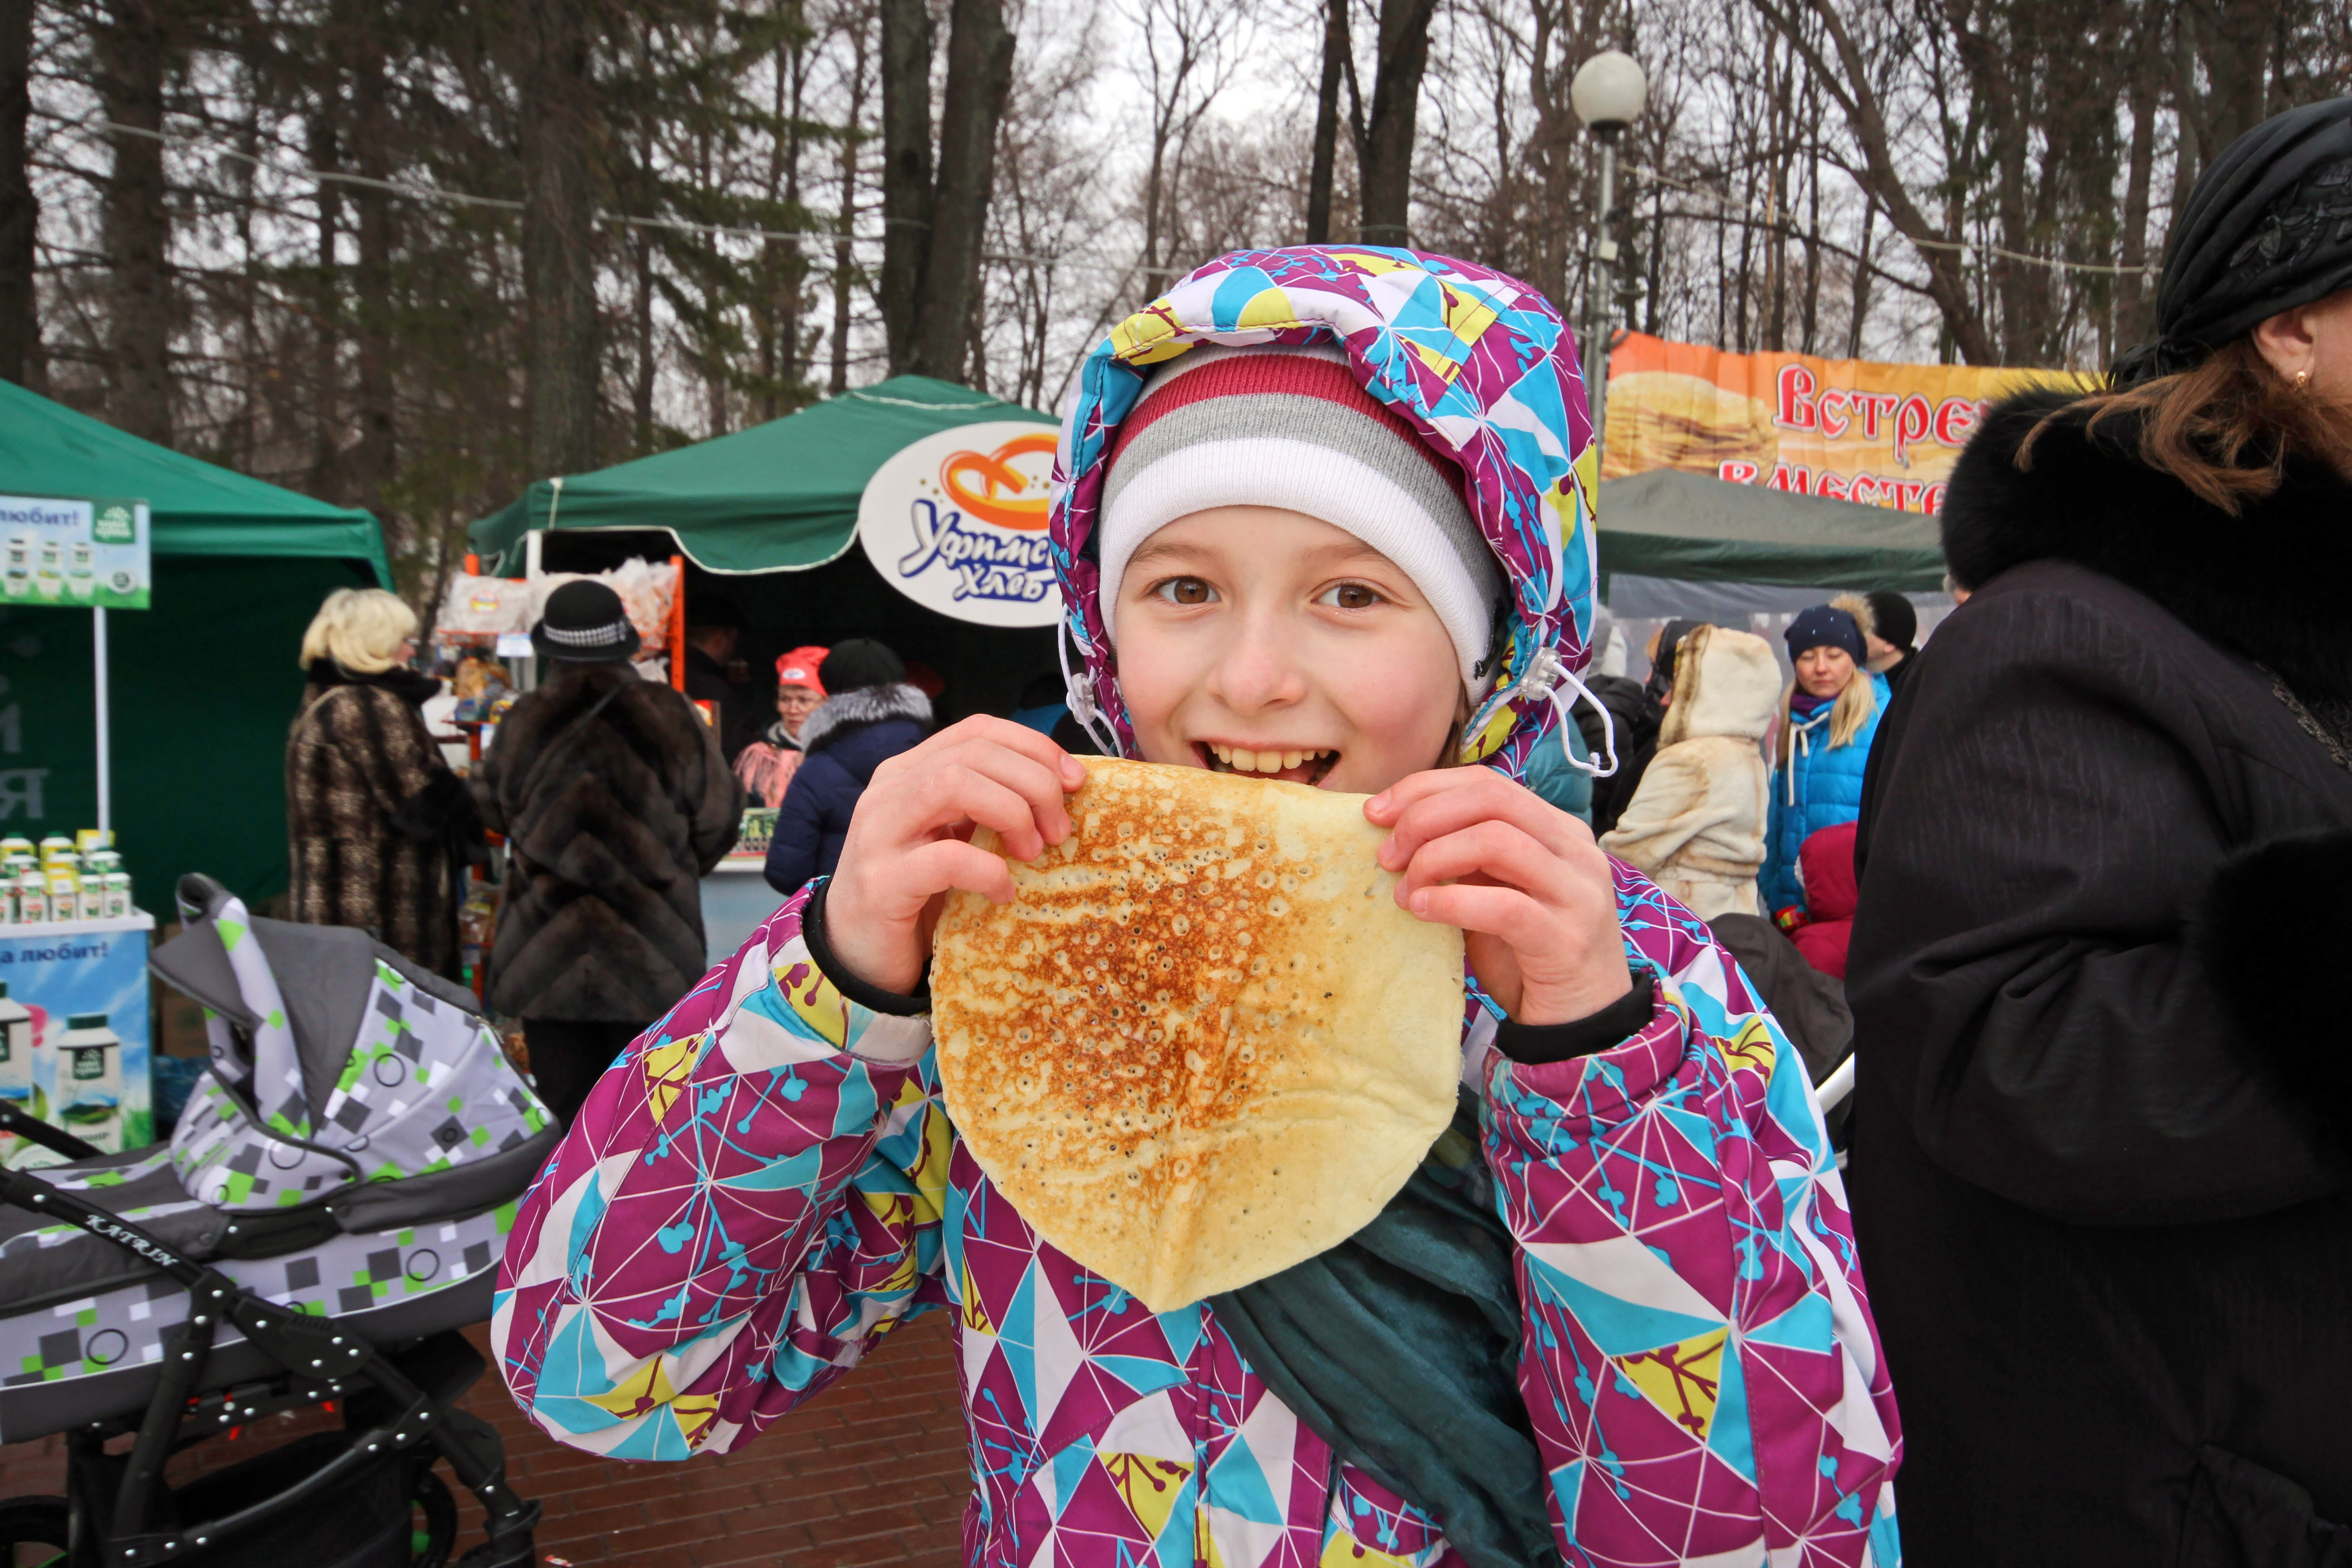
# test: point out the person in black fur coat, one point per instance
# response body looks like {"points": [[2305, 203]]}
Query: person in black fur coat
{"points": [[615, 801], [2102, 1163]]}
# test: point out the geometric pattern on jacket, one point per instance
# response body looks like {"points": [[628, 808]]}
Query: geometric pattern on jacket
{"points": [[767, 1181]]}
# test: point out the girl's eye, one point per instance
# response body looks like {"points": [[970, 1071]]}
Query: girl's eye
{"points": [[1185, 590], [1351, 596]]}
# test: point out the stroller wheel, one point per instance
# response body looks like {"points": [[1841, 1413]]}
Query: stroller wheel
{"points": [[431, 1537], [32, 1532]]}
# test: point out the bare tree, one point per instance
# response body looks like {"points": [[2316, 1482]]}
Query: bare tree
{"points": [[135, 45], [20, 211], [1384, 135], [559, 126], [936, 223]]}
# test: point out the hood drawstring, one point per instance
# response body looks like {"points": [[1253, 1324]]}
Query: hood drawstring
{"points": [[1545, 672], [1078, 692]]}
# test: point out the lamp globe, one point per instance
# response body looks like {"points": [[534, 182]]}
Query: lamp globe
{"points": [[1608, 91]]}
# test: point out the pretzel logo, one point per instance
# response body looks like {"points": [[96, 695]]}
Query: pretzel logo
{"points": [[1002, 494]]}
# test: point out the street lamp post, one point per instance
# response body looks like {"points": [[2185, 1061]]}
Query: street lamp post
{"points": [[1607, 93]]}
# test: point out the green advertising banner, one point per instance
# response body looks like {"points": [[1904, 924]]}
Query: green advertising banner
{"points": [[74, 553]]}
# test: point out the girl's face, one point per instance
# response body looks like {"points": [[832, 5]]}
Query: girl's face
{"points": [[794, 705], [1823, 671], [1255, 640]]}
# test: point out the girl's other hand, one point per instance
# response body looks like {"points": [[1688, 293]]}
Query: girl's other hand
{"points": [[1531, 890], [910, 840]]}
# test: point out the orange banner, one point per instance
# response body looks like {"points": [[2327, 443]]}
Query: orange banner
{"points": [[1884, 435]]}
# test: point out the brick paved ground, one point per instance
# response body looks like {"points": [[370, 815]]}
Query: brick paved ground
{"points": [[872, 1473]]}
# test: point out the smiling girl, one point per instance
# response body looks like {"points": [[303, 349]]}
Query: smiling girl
{"points": [[1319, 515]]}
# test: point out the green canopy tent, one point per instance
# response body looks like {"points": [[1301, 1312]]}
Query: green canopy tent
{"points": [[203, 684], [1695, 528], [767, 517]]}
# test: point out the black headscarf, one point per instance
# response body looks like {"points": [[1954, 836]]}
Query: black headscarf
{"points": [[2268, 227]]}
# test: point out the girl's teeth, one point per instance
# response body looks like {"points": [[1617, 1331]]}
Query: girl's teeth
{"points": [[1243, 760]]}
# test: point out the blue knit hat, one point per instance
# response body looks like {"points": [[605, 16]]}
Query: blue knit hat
{"points": [[1825, 626]]}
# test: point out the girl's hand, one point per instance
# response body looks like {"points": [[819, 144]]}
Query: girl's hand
{"points": [[910, 840], [1529, 887]]}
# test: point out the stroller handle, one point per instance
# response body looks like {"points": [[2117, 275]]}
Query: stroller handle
{"points": [[33, 1130]]}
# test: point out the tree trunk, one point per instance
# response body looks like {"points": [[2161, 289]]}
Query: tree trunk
{"points": [[374, 459], [1324, 168], [133, 48], [907, 189], [1861, 282], [2134, 292], [980, 76], [1385, 168], [559, 127], [641, 320], [844, 265], [20, 327], [327, 303]]}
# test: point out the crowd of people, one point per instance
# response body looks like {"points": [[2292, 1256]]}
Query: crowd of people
{"points": [[2059, 881]]}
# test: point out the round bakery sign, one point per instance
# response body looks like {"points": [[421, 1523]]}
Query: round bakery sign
{"points": [[956, 523]]}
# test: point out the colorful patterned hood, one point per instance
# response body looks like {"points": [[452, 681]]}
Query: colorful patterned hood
{"points": [[1478, 363]]}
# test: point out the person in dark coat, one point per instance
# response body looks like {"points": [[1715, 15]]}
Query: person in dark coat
{"points": [[1894, 627], [2101, 1173], [870, 715], [1635, 711], [712, 632], [379, 830], [615, 802]]}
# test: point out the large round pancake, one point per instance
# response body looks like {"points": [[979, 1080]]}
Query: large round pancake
{"points": [[1203, 1043]]}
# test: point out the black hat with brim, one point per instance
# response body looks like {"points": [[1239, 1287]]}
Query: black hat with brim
{"points": [[584, 624]]}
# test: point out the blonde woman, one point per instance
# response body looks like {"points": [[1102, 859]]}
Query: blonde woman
{"points": [[380, 830], [1825, 734]]}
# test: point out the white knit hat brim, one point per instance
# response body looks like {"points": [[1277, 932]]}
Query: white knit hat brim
{"points": [[1319, 482]]}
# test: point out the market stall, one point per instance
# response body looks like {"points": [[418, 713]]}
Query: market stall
{"points": [[943, 488], [1673, 543], [204, 681]]}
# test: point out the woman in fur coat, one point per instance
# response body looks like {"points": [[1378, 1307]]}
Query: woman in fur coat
{"points": [[2100, 1160], [379, 830]]}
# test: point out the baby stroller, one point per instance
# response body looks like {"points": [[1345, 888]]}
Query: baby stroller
{"points": [[328, 1213]]}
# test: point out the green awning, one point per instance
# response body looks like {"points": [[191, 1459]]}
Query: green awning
{"points": [[204, 683], [1697, 528], [197, 509], [780, 497]]}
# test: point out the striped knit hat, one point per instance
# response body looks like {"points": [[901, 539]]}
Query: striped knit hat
{"points": [[1290, 428]]}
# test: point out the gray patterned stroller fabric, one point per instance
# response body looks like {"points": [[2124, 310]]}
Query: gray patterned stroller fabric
{"points": [[356, 1147]]}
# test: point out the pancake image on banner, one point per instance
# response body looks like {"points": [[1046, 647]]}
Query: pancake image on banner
{"points": [[1882, 435]]}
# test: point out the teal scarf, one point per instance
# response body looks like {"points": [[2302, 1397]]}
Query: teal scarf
{"points": [[1399, 1348]]}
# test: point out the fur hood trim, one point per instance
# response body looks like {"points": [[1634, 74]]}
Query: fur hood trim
{"points": [[2267, 583], [843, 711]]}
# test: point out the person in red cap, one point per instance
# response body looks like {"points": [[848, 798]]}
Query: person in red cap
{"points": [[766, 766]]}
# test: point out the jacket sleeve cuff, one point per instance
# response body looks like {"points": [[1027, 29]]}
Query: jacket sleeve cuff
{"points": [[890, 1004], [1535, 1044]]}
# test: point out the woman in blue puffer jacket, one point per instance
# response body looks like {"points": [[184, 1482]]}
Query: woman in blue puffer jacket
{"points": [[1832, 718]]}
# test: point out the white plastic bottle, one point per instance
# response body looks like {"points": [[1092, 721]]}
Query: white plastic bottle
{"points": [[90, 1081], [16, 1051]]}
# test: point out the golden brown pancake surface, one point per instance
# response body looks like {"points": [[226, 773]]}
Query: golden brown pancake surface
{"points": [[1203, 1043]]}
